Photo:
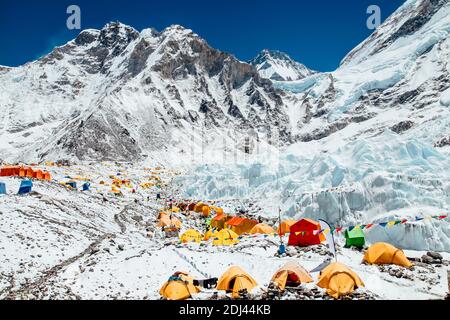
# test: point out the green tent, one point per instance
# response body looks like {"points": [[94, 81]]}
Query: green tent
{"points": [[354, 238]]}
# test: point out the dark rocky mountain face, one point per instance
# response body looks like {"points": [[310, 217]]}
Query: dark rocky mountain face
{"points": [[174, 78]]}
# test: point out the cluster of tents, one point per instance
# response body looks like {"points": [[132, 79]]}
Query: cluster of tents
{"points": [[224, 237], [72, 185], [24, 172], [336, 278], [301, 233], [27, 173], [198, 207], [147, 185]]}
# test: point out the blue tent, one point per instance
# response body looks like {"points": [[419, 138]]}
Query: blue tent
{"points": [[86, 186], [2, 188], [25, 186], [72, 184]]}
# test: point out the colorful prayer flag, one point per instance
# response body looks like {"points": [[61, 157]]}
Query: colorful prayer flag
{"points": [[390, 224]]}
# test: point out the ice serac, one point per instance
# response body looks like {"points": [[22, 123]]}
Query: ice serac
{"points": [[371, 138], [120, 94], [278, 66]]}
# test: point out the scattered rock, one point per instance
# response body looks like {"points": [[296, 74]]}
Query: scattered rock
{"points": [[427, 259], [435, 255], [402, 126]]}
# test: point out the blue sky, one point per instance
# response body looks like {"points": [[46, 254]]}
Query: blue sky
{"points": [[318, 33]]}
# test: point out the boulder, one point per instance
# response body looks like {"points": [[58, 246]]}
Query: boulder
{"points": [[427, 259], [435, 255]]}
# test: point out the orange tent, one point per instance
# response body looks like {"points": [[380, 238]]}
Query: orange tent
{"points": [[13, 171], [292, 274], [218, 222], [285, 227], [47, 176], [385, 253], [29, 173], [22, 172], [339, 280], [217, 210], [166, 221], [235, 280], [262, 228], [241, 225], [199, 207], [206, 211], [180, 286], [302, 233], [38, 174]]}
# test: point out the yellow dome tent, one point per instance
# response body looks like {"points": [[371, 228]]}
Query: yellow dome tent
{"points": [[339, 280], [209, 234], [180, 286], [225, 237], [217, 210], [115, 191], [262, 228], [175, 209], [191, 236], [285, 227], [234, 280], [385, 253], [291, 274]]}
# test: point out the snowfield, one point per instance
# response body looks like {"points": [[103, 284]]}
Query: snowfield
{"points": [[58, 243]]}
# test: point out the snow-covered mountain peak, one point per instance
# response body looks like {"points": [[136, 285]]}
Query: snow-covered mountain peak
{"points": [[425, 20], [177, 29], [279, 66], [117, 93]]}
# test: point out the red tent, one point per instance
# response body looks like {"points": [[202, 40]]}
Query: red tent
{"points": [[9, 171], [302, 233]]}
